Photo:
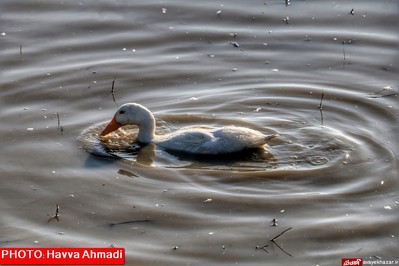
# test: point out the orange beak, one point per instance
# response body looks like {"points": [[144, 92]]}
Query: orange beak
{"points": [[112, 126]]}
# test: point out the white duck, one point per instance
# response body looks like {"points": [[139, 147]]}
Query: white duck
{"points": [[194, 139]]}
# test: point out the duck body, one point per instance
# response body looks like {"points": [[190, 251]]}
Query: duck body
{"points": [[212, 140], [199, 139]]}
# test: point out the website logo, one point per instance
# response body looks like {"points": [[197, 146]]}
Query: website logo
{"points": [[352, 262]]}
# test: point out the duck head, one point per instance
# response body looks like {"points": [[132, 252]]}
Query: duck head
{"points": [[131, 114]]}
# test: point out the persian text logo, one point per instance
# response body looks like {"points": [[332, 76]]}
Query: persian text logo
{"points": [[352, 262]]}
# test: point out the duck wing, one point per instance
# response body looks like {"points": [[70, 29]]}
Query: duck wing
{"points": [[211, 140], [240, 138], [196, 140]]}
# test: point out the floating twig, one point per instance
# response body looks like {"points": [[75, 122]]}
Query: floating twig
{"points": [[321, 99], [58, 120], [56, 216], [321, 107], [282, 249], [126, 173], [384, 95], [378, 94], [113, 90], [147, 220], [277, 236], [274, 242], [59, 127]]}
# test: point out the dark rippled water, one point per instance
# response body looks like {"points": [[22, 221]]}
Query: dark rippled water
{"points": [[323, 74]]}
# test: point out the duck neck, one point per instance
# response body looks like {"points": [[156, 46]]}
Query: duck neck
{"points": [[146, 129]]}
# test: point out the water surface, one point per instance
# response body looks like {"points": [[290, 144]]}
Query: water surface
{"points": [[323, 78]]}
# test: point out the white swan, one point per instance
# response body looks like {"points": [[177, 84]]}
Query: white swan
{"points": [[194, 139]]}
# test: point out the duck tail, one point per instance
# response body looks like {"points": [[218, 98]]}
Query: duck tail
{"points": [[267, 138]]}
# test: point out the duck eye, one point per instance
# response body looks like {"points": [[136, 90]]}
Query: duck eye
{"points": [[122, 112]]}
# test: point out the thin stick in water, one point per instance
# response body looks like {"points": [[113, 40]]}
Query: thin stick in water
{"points": [[59, 127], [282, 249], [58, 120], [274, 242], [56, 216], [113, 89], [147, 220], [321, 99], [321, 107], [277, 236]]}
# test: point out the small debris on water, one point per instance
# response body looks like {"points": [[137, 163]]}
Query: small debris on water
{"points": [[352, 12], [387, 88], [207, 200], [164, 10], [30, 129], [56, 216], [127, 173], [235, 44], [274, 222]]}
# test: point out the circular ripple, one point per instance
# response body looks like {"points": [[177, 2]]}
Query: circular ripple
{"points": [[317, 160]]}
